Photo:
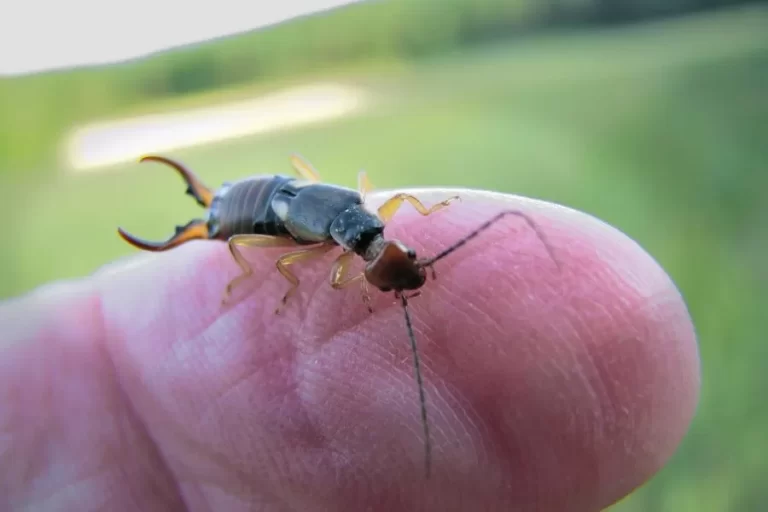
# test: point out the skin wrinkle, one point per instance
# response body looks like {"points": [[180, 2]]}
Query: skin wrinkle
{"points": [[345, 331], [498, 439], [154, 450], [196, 495], [312, 299], [477, 426], [439, 417], [596, 419], [236, 481], [30, 437], [599, 382], [232, 446], [405, 380], [279, 460], [182, 436], [68, 493], [614, 420], [438, 404], [41, 438], [454, 363], [601, 379], [589, 423], [66, 349], [360, 388], [42, 445], [122, 423], [603, 375], [488, 325]]}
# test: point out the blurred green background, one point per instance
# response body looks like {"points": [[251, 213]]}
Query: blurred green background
{"points": [[651, 115]]}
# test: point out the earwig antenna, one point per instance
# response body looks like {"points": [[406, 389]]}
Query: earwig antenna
{"points": [[445, 252], [422, 399]]}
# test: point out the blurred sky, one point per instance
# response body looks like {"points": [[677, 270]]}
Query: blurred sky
{"points": [[37, 35]]}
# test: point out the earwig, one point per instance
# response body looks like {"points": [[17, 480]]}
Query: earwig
{"points": [[314, 218]]}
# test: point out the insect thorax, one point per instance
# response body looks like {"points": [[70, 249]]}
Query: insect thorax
{"points": [[355, 228]]}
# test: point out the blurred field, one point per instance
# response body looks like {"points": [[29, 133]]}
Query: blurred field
{"points": [[660, 129]]}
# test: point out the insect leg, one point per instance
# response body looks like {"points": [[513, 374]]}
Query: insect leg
{"points": [[249, 241], [304, 168], [339, 278], [363, 184], [294, 257], [202, 194], [388, 209]]}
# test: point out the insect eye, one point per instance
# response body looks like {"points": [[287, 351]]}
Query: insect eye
{"points": [[411, 254]]}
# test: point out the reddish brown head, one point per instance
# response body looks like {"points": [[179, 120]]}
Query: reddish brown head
{"points": [[395, 268]]}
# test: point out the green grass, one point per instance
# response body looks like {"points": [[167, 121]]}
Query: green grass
{"points": [[661, 130]]}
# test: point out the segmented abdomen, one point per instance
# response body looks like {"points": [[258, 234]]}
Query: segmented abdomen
{"points": [[245, 207]]}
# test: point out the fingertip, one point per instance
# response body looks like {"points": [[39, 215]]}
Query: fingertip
{"points": [[595, 360]]}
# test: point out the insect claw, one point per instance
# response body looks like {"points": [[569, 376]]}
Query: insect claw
{"points": [[426, 264], [226, 295], [195, 187], [400, 295], [367, 302], [281, 305], [195, 229]]}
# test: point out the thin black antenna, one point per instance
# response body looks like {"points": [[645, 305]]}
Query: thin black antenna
{"points": [[422, 399], [445, 252]]}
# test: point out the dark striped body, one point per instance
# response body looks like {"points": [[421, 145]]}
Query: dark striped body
{"points": [[307, 212], [245, 207]]}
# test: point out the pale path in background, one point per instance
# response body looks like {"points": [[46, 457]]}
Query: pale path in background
{"points": [[108, 143]]}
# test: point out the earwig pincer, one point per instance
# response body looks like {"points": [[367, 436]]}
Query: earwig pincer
{"points": [[313, 218]]}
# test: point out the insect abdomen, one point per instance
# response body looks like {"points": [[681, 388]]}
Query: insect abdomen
{"points": [[245, 207]]}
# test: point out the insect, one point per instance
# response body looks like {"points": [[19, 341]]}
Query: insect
{"points": [[313, 218]]}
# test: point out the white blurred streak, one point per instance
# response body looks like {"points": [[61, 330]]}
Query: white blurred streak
{"points": [[109, 143]]}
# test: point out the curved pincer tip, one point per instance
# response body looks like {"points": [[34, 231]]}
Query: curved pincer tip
{"points": [[196, 229], [195, 187]]}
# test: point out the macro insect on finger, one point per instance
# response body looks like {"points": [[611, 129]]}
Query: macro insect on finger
{"points": [[312, 218]]}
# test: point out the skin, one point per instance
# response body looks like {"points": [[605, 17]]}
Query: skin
{"points": [[546, 389]]}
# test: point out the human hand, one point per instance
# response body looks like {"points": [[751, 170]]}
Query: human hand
{"points": [[546, 389]]}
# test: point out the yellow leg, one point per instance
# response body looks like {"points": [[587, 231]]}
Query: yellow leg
{"points": [[304, 168], [388, 209], [294, 257], [363, 184], [339, 278], [249, 241]]}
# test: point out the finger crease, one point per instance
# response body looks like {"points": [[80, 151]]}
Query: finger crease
{"points": [[130, 409]]}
